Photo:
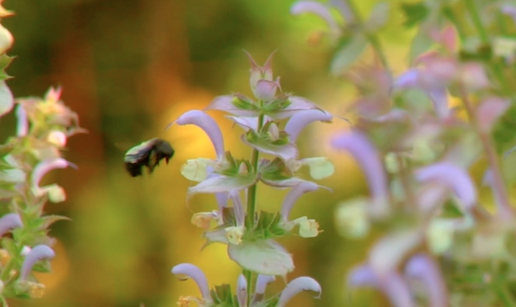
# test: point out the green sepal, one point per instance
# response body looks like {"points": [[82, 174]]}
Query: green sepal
{"points": [[271, 302], [5, 61], [234, 166], [275, 170], [414, 13], [282, 102], [44, 222], [42, 266], [268, 226], [243, 103], [223, 297]]}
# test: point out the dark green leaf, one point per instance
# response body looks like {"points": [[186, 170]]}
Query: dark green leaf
{"points": [[414, 13]]}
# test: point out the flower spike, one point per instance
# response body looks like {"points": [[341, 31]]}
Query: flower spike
{"points": [[423, 267]]}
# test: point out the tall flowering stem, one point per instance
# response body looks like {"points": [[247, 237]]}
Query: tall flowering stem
{"points": [[251, 197]]}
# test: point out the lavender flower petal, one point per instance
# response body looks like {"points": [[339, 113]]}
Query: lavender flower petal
{"points": [[197, 275], [262, 282], [222, 184], [424, 268], [366, 155], [344, 10], [439, 98], [22, 127], [453, 177], [242, 291], [301, 119], [44, 167], [225, 103], [297, 285], [296, 104], [316, 8], [266, 90], [8, 222], [293, 195], [208, 124], [510, 11], [37, 253]]}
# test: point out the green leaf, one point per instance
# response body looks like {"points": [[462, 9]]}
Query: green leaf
{"points": [[222, 296], [347, 54], [414, 13], [10, 246], [5, 61]]}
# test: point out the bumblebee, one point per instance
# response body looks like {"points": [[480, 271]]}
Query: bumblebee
{"points": [[147, 154]]}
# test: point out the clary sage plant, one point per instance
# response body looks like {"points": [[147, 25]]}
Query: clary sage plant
{"points": [[271, 123], [43, 127], [416, 134]]}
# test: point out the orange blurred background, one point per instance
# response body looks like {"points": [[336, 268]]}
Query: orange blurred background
{"points": [[130, 67]]}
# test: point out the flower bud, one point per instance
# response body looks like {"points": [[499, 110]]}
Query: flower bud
{"points": [[57, 138], [6, 39]]}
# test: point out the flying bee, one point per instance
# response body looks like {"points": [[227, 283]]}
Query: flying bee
{"points": [[147, 154]]}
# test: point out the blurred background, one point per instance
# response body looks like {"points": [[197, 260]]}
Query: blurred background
{"points": [[130, 67]]}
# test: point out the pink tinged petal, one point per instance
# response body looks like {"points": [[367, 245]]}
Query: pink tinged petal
{"points": [[301, 119], [293, 195], [37, 253], [53, 94], [22, 127], [238, 208], [510, 11], [286, 183], [362, 275], [242, 291], [453, 177], [8, 222], [208, 124], [297, 285], [44, 167], [473, 76], [225, 103], [222, 184], [449, 38], [263, 256], [285, 152], [266, 90], [388, 253], [193, 272], [257, 72], [424, 268], [439, 100], [246, 123], [489, 112], [317, 8], [366, 155]]}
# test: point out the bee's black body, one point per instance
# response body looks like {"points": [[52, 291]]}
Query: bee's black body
{"points": [[147, 154]]}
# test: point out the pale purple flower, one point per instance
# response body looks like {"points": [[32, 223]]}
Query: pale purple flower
{"points": [[297, 285], [226, 103], [261, 283], [242, 291], [358, 145], [317, 8], [301, 119], [433, 85], [208, 125], [191, 271], [238, 208], [223, 184], [392, 285], [9, 221], [296, 104], [424, 268], [293, 195], [390, 250], [39, 252], [22, 127], [454, 178], [44, 167], [260, 72]]}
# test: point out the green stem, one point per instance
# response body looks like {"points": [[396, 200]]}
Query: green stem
{"points": [[373, 40], [251, 208], [251, 195]]}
